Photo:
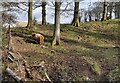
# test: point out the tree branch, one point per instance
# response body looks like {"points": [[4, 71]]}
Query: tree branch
{"points": [[13, 75], [66, 8], [24, 3], [22, 9]]}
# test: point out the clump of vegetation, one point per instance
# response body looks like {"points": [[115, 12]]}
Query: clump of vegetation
{"points": [[94, 66], [114, 75]]}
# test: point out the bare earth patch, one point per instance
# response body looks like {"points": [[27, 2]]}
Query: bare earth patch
{"points": [[60, 66]]}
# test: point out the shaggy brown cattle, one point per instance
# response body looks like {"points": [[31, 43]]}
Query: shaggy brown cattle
{"points": [[39, 38]]}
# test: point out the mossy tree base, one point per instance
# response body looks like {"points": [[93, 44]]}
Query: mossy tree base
{"points": [[76, 23], [30, 26], [55, 42], [76, 18]]}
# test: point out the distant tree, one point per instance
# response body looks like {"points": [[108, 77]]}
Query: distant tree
{"points": [[110, 9], [97, 10], [43, 12], [34, 21], [76, 21], [32, 5], [56, 34], [29, 25], [85, 16], [105, 8], [90, 16], [89, 12], [117, 10]]}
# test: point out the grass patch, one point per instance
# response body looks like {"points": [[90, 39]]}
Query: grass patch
{"points": [[94, 66], [114, 75]]}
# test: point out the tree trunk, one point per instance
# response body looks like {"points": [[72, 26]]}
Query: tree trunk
{"points": [[43, 12], [118, 15], [98, 16], [75, 21], [56, 34], [104, 17], [29, 14], [117, 10], [111, 9], [90, 19], [115, 15]]}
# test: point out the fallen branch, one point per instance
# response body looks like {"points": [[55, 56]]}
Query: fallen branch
{"points": [[47, 75], [10, 59], [13, 75], [27, 70], [12, 54], [26, 66], [21, 56]]}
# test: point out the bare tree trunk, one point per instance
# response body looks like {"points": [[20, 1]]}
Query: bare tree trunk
{"points": [[111, 9], [85, 16], [56, 35], [115, 15], [29, 14], [104, 17], [117, 11], [90, 13], [75, 21], [43, 12], [98, 16], [118, 15], [90, 19]]}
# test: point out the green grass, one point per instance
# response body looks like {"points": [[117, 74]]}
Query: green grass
{"points": [[97, 39], [114, 74]]}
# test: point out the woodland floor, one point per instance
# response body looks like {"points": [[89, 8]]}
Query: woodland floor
{"points": [[81, 47]]}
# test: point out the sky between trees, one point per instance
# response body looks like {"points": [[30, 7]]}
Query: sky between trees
{"points": [[37, 13]]}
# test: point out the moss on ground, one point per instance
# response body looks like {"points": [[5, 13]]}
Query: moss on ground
{"points": [[114, 74]]}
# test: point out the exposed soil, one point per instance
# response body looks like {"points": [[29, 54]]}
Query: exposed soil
{"points": [[60, 66]]}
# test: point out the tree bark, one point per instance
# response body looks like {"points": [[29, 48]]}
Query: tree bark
{"points": [[111, 9], [76, 21], [98, 16], [43, 12], [90, 18], [117, 11], [118, 15], [29, 14], [56, 34], [104, 17]]}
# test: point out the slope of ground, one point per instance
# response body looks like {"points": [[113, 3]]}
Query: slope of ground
{"points": [[81, 48]]}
